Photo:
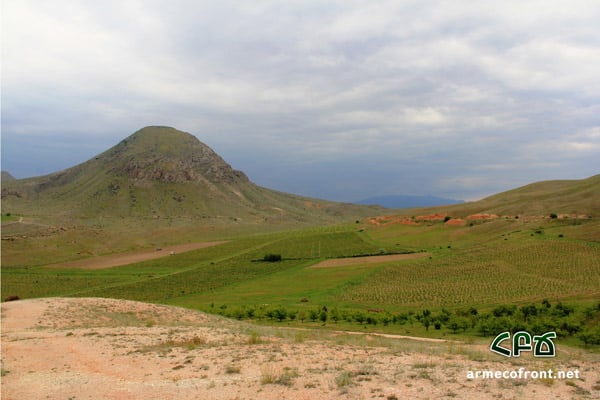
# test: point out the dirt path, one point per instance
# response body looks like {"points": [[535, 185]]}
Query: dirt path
{"points": [[87, 348], [375, 334], [116, 260], [339, 262]]}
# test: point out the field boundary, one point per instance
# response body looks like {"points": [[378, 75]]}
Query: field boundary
{"points": [[342, 262]]}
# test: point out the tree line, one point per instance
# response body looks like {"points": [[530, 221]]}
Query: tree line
{"points": [[566, 320]]}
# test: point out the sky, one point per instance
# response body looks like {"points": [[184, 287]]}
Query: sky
{"points": [[341, 100]]}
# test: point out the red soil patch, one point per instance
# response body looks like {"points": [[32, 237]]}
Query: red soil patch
{"points": [[456, 222], [406, 222], [482, 216], [432, 217], [382, 219]]}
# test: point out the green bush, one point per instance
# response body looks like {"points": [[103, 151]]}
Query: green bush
{"points": [[272, 257]]}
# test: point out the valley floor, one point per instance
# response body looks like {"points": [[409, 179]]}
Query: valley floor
{"points": [[88, 348]]}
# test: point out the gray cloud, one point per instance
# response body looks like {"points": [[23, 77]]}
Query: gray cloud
{"points": [[342, 100]]}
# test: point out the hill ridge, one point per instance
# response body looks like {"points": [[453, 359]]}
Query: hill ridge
{"points": [[168, 155], [566, 196]]}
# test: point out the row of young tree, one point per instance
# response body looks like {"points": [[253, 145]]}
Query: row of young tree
{"points": [[567, 321]]}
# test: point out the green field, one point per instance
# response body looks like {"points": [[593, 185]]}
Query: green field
{"points": [[497, 268]]}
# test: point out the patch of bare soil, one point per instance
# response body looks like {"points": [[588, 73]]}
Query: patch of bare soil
{"points": [[111, 349], [116, 260], [482, 216], [339, 262], [456, 222]]}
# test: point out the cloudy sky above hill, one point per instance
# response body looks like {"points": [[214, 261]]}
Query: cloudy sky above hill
{"points": [[341, 100]]}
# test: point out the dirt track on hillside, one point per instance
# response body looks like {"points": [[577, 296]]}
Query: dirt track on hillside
{"points": [[116, 260], [62, 349]]}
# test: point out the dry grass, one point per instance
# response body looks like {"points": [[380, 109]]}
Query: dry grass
{"points": [[210, 357]]}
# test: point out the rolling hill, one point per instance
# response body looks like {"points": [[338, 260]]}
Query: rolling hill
{"points": [[577, 196]]}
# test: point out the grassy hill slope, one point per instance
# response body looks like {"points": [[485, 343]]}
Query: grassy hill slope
{"points": [[158, 186], [160, 172], [579, 196]]}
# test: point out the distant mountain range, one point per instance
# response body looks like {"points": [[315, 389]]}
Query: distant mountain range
{"points": [[408, 201]]}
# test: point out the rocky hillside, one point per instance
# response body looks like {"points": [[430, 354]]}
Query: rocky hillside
{"points": [[166, 155], [160, 172]]}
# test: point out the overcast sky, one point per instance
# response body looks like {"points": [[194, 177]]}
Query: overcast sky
{"points": [[341, 100]]}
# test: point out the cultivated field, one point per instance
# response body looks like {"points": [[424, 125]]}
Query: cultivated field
{"points": [[473, 280]]}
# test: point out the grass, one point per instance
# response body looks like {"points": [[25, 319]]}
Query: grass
{"points": [[497, 274], [233, 369], [189, 343], [271, 375], [254, 338], [8, 217], [343, 379], [497, 262]]}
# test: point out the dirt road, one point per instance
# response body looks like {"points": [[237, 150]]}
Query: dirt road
{"points": [[116, 260]]}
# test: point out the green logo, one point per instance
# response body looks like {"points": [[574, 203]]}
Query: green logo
{"points": [[541, 345]]}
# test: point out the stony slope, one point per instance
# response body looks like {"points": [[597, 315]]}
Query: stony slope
{"points": [[160, 172]]}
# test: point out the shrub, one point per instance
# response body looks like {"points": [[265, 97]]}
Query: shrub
{"points": [[272, 257], [458, 323], [233, 369], [280, 313], [590, 336], [323, 316], [301, 316], [343, 379]]}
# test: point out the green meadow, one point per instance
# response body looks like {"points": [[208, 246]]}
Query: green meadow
{"points": [[489, 269]]}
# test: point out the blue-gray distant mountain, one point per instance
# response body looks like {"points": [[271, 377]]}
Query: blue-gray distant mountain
{"points": [[407, 201]]}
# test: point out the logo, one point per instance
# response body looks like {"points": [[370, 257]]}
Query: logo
{"points": [[541, 345]]}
